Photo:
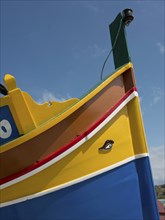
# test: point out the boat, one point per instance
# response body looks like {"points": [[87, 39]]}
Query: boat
{"points": [[161, 208], [81, 158]]}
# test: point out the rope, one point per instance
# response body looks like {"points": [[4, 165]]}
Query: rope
{"points": [[111, 49]]}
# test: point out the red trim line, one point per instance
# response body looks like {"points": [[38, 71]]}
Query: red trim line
{"points": [[70, 144]]}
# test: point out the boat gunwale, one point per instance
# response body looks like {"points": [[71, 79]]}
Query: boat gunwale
{"points": [[71, 144], [64, 114]]}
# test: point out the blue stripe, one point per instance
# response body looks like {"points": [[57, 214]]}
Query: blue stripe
{"points": [[125, 193]]}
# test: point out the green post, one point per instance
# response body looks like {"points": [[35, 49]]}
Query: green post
{"points": [[119, 43]]}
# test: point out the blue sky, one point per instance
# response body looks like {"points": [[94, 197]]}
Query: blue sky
{"points": [[56, 49]]}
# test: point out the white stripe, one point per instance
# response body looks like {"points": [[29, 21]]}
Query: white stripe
{"points": [[76, 181], [74, 147]]}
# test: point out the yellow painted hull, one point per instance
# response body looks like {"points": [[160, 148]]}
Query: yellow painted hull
{"points": [[87, 158]]}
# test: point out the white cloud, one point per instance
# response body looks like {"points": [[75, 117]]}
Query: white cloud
{"points": [[157, 95], [48, 96], [93, 51], [98, 51], [93, 8], [160, 47], [157, 156]]}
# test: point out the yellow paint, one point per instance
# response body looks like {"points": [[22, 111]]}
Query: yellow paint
{"points": [[137, 128], [17, 105], [86, 159], [25, 119], [27, 114], [10, 82], [44, 112], [61, 113]]}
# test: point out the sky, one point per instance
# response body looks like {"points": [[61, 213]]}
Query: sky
{"points": [[56, 50]]}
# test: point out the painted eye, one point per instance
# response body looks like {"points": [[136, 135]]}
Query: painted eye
{"points": [[5, 129]]}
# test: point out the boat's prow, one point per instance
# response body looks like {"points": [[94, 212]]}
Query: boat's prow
{"points": [[80, 159]]}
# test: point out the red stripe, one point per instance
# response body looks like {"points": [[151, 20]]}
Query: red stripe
{"points": [[69, 145]]}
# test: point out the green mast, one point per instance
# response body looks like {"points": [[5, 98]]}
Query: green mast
{"points": [[118, 37]]}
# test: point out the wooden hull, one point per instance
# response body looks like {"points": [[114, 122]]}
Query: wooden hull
{"points": [[64, 156], [66, 130]]}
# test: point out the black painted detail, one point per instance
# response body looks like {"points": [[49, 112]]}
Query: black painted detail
{"points": [[3, 90], [107, 145]]}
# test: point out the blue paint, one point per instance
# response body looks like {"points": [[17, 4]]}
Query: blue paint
{"points": [[125, 193], [10, 131], [4, 129], [148, 197]]}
